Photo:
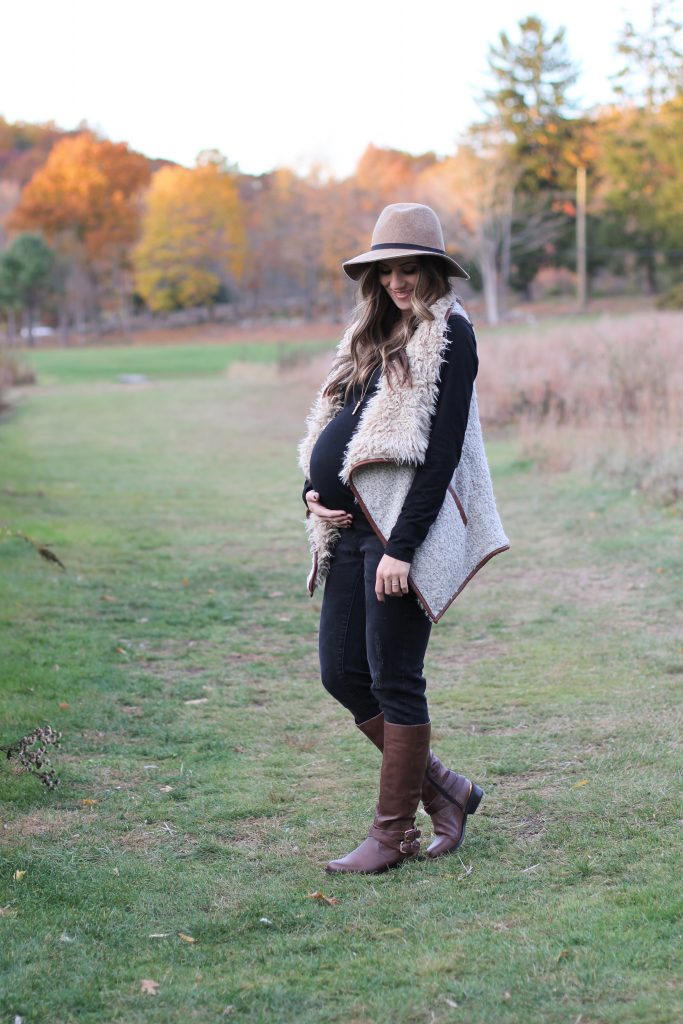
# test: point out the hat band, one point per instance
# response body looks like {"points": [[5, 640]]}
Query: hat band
{"points": [[407, 245]]}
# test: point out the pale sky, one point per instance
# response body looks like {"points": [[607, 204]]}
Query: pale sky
{"points": [[279, 84]]}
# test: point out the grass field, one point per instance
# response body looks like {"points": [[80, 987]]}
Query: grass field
{"points": [[206, 778], [108, 363]]}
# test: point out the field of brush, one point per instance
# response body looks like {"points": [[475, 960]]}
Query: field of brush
{"points": [[176, 872]]}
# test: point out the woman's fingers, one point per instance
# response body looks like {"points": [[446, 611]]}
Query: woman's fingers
{"points": [[341, 519], [337, 516], [391, 579]]}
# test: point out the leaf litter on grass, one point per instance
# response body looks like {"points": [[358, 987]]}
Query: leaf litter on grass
{"points": [[331, 901]]}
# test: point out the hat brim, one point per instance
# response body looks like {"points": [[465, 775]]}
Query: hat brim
{"points": [[355, 267]]}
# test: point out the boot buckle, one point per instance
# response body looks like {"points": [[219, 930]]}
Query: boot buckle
{"points": [[410, 843]]}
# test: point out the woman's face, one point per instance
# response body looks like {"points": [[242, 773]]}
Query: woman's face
{"points": [[399, 277]]}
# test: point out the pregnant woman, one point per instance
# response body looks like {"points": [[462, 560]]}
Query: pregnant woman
{"points": [[401, 514]]}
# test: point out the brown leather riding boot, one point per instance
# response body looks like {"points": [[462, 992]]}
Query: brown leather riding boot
{"points": [[393, 837], [447, 797], [374, 730]]}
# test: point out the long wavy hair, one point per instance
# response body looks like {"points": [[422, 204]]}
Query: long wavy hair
{"points": [[381, 334]]}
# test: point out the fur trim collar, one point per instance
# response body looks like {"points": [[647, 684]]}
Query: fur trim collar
{"points": [[412, 407]]}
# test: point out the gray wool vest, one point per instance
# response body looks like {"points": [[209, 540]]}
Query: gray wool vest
{"points": [[391, 440]]}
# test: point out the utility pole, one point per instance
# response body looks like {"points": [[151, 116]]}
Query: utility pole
{"points": [[581, 276]]}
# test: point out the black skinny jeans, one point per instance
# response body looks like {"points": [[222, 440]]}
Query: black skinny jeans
{"points": [[371, 652]]}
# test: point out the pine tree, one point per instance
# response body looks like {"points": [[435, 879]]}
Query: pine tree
{"points": [[530, 103], [530, 112]]}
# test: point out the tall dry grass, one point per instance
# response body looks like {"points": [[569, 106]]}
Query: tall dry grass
{"points": [[13, 371], [605, 395]]}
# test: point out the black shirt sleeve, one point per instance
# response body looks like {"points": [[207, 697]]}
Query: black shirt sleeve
{"points": [[428, 489]]}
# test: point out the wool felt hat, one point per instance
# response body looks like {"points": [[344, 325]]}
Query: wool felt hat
{"points": [[404, 229]]}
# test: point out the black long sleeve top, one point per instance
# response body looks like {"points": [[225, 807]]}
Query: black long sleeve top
{"points": [[431, 480]]}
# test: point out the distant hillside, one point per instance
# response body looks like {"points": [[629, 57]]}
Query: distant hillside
{"points": [[25, 147]]}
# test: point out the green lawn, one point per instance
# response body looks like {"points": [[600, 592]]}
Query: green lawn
{"points": [[206, 778], [159, 362]]}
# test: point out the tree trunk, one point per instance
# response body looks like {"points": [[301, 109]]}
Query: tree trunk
{"points": [[506, 250], [11, 326], [96, 307], [489, 274], [28, 321], [80, 320], [124, 311], [97, 321], [63, 325]]}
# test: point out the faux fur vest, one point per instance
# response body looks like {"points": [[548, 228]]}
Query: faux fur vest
{"points": [[390, 441]]}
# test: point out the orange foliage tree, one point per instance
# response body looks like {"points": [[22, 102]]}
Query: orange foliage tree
{"points": [[193, 239], [389, 175], [85, 200], [345, 231]]}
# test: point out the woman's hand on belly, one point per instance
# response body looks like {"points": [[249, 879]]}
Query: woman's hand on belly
{"points": [[338, 517], [392, 578]]}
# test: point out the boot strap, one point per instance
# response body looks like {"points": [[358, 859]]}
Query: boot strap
{"points": [[410, 843], [405, 842]]}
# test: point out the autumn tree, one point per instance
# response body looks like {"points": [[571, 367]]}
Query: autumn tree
{"points": [[193, 236], [350, 213], [389, 175], [474, 194], [287, 217], [85, 200]]}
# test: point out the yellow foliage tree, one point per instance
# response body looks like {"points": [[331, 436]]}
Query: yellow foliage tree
{"points": [[193, 238]]}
